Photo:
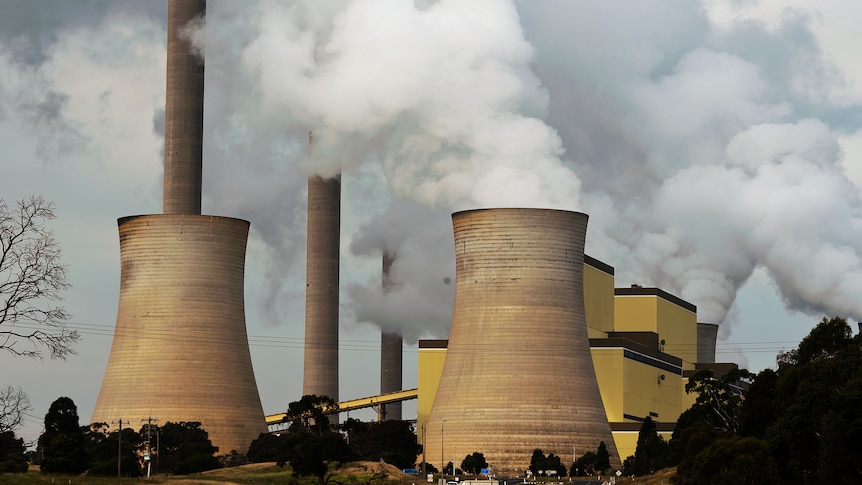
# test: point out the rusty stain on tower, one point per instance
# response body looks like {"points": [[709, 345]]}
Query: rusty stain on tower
{"points": [[180, 349], [518, 373]]}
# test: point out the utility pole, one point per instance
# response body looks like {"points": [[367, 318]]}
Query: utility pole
{"points": [[148, 456], [442, 452], [120, 449], [424, 454]]}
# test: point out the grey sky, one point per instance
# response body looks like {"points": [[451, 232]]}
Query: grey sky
{"points": [[716, 147]]}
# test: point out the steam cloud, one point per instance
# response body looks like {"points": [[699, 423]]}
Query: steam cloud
{"points": [[699, 160]]}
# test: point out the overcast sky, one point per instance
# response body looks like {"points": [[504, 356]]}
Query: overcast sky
{"points": [[715, 145]]}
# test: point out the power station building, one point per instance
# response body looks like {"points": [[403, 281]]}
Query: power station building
{"points": [[643, 345], [544, 352]]}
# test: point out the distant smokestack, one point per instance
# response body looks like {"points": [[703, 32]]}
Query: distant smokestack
{"points": [[184, 108], [518, 373], [320, 375], [391, 354], [707, 334]]}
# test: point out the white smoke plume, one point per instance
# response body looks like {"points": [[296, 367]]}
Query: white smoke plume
{"points": [[419, 301], [704, 159], [697, 158], [440, 97]]}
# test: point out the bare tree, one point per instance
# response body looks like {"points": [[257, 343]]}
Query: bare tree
{"points": [[31, 279], [14, 403]]}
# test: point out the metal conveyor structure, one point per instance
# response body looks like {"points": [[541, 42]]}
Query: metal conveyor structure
{"points": [[378, 402]]}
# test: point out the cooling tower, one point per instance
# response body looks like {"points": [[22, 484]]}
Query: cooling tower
{"points": [[518, 373], [391, 354], [707, 334], [320, 376], [180, 349]]}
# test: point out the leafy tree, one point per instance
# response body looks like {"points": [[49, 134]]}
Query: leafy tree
{"points": [[829, 337], [817, 426], [62, 443], [651, 450], [233, 458], [309, 446], [733, 459], [689, 440], [314, 455], [311, 411], [185, 448], [585, 465], [719, 399], [12, 453], [102, 445], [31, 278], [266, 448], [538, 461], [759, 407], [805, 416], [392, 441], [13, 404], [603, 457], [474, 463]]}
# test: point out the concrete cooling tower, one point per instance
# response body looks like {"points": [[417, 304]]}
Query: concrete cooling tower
{"points": [[518, 374], [180, 349]]}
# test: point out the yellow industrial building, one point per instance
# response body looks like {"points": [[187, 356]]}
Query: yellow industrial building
{"points": [[645, 344]]}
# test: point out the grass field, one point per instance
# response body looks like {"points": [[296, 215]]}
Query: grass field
{"points": [[253, 474]]}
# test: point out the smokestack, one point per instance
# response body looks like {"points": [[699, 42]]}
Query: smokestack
{"points": [[707, 334], [180, 349], [320, 376], [391, 353], [184, 113], [518, 373]]}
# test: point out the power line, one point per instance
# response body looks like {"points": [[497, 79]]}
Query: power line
{"points": [[364, 345]]}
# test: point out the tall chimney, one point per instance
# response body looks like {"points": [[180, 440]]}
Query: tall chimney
{"points": [[180, 349], [320, 376], [184, 113], [518, 373], [391, 354]]}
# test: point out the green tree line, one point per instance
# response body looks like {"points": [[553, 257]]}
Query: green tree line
{"points": [[798, 423]]}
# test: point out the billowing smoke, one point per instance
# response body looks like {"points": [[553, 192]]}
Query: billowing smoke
{"points": [[440, 97], [698, 158], [704, 158], [419, 301]]}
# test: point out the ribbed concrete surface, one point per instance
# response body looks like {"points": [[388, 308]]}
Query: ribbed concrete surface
{"points": [[320, 373], [184, 108], [180, 350], [518, 373]]}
